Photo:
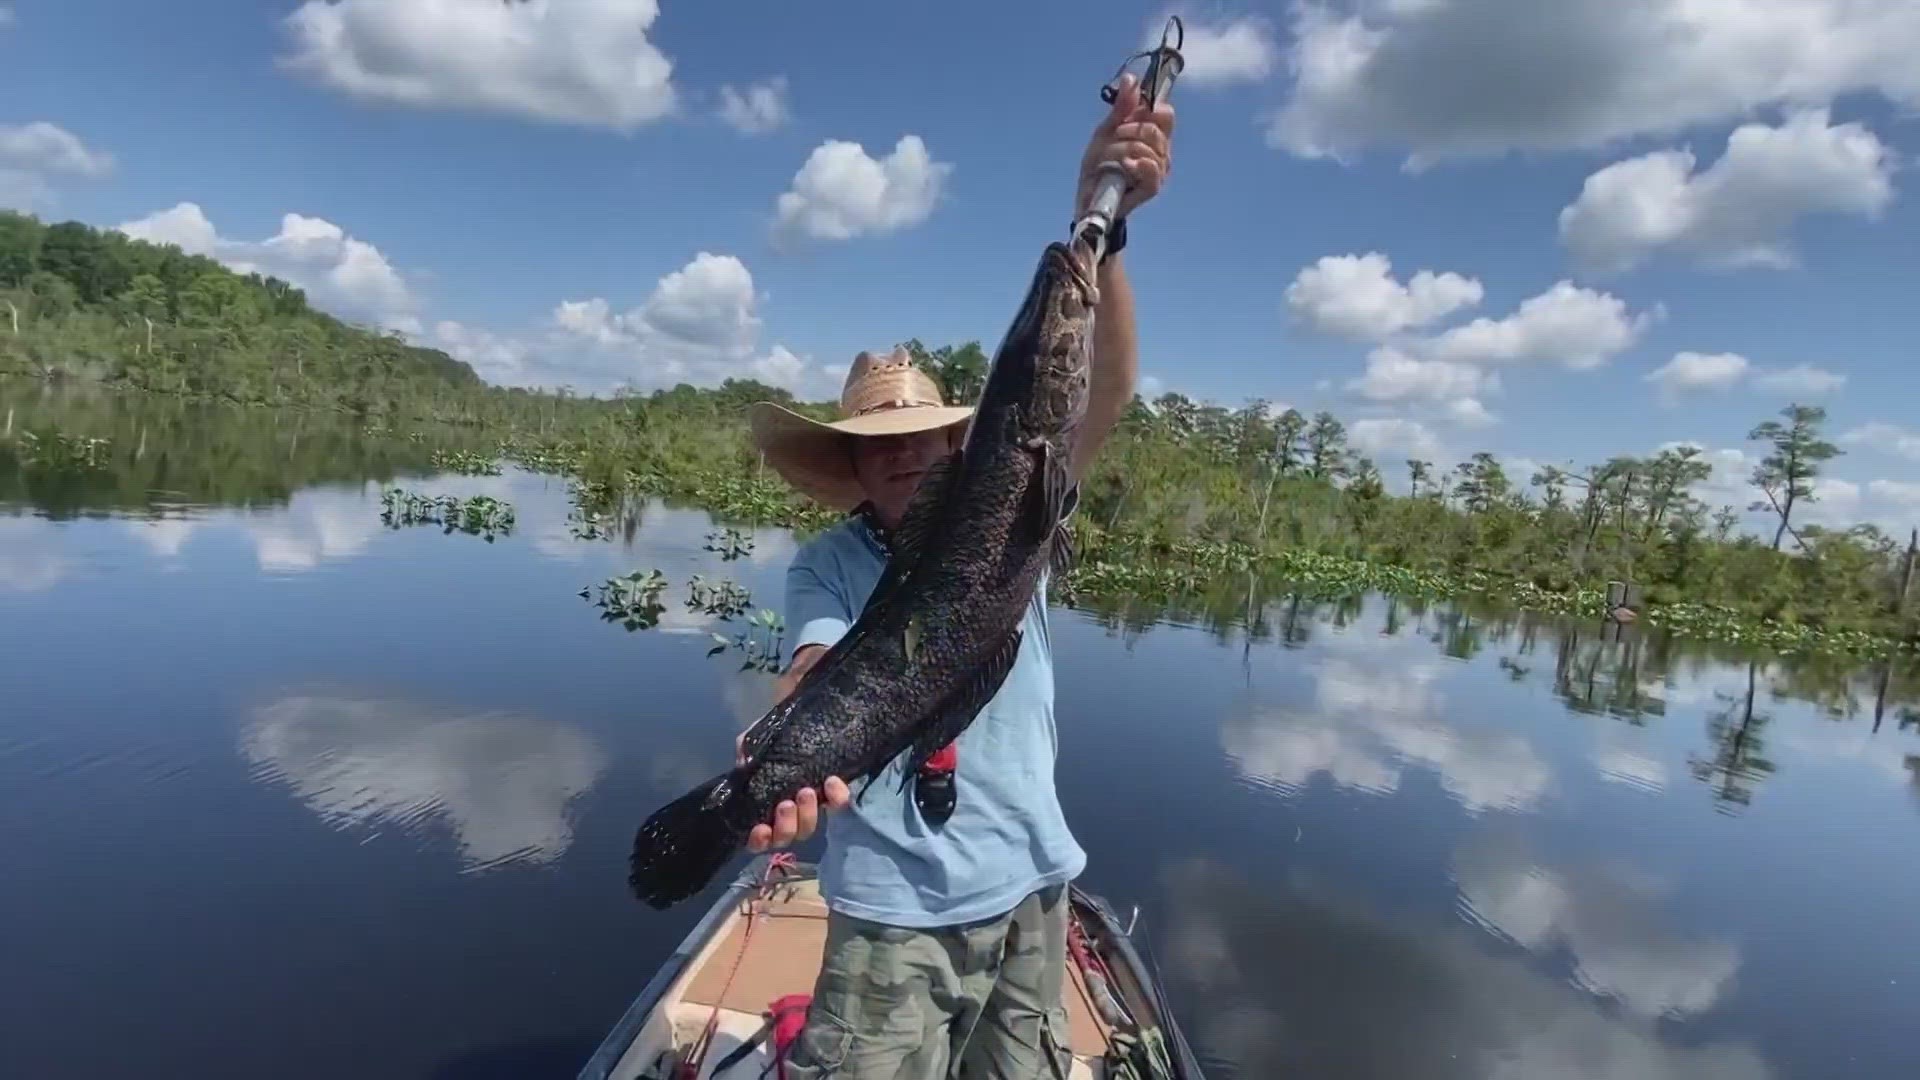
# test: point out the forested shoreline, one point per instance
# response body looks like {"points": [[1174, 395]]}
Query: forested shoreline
{"points": [[1187, 495]]}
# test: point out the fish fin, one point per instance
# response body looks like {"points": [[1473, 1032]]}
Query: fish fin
{"points": [[762, 731], [1060, 560], [958, 710], [682, 846], [924, 511], [912, 636], [1050, 496]]}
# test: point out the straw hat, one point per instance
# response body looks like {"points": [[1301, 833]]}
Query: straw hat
{"points": [[883, 395]]}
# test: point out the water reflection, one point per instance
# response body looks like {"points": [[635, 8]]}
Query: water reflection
{"points": [[163, 535], [164, 451], [501, 783], [1295, 978], [1607, 917], [1373, 719], [1736, 735], [31, 555]]}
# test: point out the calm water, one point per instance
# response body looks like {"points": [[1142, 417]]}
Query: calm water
{"points": [[285, 792]]}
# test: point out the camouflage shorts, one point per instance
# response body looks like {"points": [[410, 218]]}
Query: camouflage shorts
{"points": [[979, 1001]]}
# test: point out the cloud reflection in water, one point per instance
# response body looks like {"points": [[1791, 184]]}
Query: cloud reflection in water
{"points": [[501, 782], [1608, 919], [1293, 979], [1372, 720]]}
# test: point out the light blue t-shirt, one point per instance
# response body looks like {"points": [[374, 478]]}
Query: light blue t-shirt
{"points": [[1007, 836]]}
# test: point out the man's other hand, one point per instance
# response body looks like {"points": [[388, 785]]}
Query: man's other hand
{"points": [[794, 819]]}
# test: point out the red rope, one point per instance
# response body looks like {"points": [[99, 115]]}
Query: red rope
{"points": [[697, 1053]]}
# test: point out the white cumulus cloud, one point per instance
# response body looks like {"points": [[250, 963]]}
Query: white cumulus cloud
{"points": [[1689, 371], [1800, 381], [1384, 437], [51, 148], [756, 109], [1467, 78], [701, 324], [33, 154], [1900, 493], [1470, 413], [1886, 437], [339, 273], [841, 192], [1737, 212], [1357, 296], [1393, 376], [1692, 371], [1576, 327], [584, 62], [1417, 359], [1235, 50]]}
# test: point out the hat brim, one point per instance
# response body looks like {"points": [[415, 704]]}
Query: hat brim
{"points": [[810, 454]]}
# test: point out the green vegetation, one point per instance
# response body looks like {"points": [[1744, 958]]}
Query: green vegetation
{"points": [[90, 303], [730, 543], [481, 515], [760, 641], [632, 600], [465, 462], [722, 598], [1187, 499]]}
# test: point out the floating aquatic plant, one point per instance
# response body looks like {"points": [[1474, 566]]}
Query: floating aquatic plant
{"points": [[722, 598], [465, 462], [632, 600], [480, 515], [590, 518], [730, 543], [760, 641]]}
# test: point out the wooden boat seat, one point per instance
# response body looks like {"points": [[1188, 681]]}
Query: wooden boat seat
{"points": [[788, 937]]}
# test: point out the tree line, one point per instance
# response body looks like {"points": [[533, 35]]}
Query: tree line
{"points": [[99, 305]]}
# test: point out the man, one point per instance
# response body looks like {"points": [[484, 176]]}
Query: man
{"points": [[946, 938]]}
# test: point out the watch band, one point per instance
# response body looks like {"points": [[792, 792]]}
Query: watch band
{"points": [[1116, 239]]}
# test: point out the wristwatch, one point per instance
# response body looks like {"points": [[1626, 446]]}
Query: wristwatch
{"points": [[1116, 239]]}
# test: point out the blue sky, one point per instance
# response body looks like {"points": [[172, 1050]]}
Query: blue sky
{"points": [[591, 191]]}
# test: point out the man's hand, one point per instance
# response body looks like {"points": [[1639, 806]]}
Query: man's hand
{"points": [[794, 819], [1139, 140]]}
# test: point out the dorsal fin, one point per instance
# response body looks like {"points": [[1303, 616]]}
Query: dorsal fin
{"points": [[927, 506], [924, 512]]}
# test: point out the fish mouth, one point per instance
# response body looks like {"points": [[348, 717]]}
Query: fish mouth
{"points": [[1074, 262]]}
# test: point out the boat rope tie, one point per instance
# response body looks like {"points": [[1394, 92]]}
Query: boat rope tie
{"points": [[780, 864]]}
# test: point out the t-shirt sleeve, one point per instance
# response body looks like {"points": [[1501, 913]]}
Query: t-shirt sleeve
{"points": [[816, 604]]}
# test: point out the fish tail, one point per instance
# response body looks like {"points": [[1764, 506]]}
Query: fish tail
{"points": [[683, 845]]}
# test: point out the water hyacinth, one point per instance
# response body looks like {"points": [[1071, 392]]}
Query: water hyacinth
{"points": [[722, 598], [465, 462], [730, 543], [479, 515], [760, 641], [632, 600]]}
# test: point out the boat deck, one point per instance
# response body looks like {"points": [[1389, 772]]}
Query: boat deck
{"points": [[783, 957]]}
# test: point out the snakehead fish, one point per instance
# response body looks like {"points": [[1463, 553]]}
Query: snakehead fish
{"points": [[941, 628]]}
